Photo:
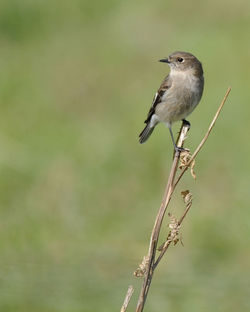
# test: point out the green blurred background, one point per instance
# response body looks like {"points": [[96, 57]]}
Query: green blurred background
{"points": [[78, 193]]}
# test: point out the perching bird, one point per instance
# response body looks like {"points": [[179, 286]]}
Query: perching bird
{"points": [[178, 95]]}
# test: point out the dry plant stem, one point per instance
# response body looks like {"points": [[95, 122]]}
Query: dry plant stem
{"points": [[168, 243], [205, 137], [152, 263], [157, 226], [166, 199], [127, 298]]}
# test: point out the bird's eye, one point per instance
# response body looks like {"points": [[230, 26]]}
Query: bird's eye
{"points": [[180, 59]]}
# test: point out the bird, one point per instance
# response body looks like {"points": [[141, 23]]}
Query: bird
{"points": [[178, 95]]}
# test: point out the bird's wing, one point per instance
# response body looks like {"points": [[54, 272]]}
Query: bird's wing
{"points": [[166, 84]]}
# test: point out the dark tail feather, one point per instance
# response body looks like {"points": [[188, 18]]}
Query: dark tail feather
{"points": [[145, 134]]}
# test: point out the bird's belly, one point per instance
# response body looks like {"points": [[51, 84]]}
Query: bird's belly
{"points": [[177, 105]]}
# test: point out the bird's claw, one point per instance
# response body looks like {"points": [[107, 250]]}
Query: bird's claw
{"points": [[179, 149]]}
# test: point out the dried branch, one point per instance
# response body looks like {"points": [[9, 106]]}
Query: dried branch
{"points": [[157, 226], [205, 137], [166, 199], [150, 261], [127, 298], [188, 199]]}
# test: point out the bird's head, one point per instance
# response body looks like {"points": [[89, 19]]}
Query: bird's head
{"points": [[183, 61]]}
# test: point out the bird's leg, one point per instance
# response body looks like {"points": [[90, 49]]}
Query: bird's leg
{"points": [[176, 148]]}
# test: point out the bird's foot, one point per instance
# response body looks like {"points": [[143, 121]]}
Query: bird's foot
{"points": [[180, 149]]}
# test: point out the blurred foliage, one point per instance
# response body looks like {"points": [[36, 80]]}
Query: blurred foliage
{"points": [[78, 194]]}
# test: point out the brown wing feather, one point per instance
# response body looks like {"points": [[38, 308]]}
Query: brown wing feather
{"points": [[166, 84]]}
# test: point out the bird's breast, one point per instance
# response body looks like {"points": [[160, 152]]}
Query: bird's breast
{"points": [[181, 98]]}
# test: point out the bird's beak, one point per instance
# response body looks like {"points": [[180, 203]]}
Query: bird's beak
{"points": [[165, 60]]}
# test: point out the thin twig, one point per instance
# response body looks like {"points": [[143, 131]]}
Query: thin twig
{"points": [[166, 199], [127, 298], [149, 262], [168, 242], [205, 137], [157, 226]]}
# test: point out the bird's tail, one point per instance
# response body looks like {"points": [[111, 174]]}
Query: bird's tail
{"points": [[145, 134]]}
